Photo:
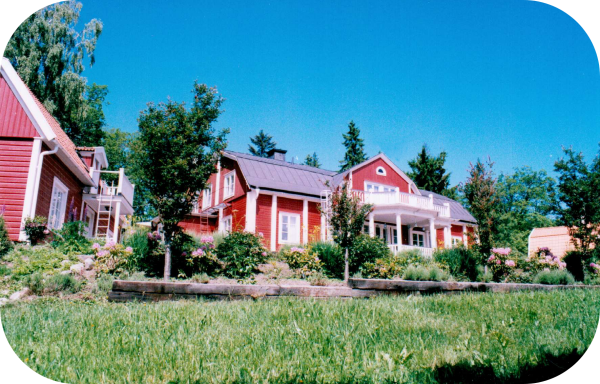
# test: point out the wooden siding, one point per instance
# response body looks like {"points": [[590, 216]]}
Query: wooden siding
{"points": [[195, 224], [15, 156], [314, 222], [263, 218], [52, 167], [14, 121], [368, 173]]}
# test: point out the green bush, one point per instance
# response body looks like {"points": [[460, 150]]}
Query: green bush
{"points": [[554, 277], [201, 257], [70, 239], [392, 266], [137, 239], [63, 283], [241, 252], [367, 249], [5, 244], [300, 259], [461, 262], [423, 273], [318, 279], [483, 276], [45, 259], [35, 282], [201, 278], [104, 283], [574, 260], [331, 256], [519, 276]]}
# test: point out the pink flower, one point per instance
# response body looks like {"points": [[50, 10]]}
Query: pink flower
{"points": [[264, 254], [129, 250], [46, 231], [492, 258], [498, 262], [109, 244], [95, 246], [501, 251], [207, 239], [510, 263], [184, 254], [102, 253], [261, 234]]}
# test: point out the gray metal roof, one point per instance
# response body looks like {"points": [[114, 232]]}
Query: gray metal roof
{"points": [[457, 211], [280, 175]]}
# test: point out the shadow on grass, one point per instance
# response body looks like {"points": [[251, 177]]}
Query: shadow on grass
{"points": [[549, 367]]}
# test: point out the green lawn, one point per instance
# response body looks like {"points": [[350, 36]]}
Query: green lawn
{"points": [[480, 337]]}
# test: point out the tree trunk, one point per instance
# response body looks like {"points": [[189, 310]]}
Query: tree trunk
{"points": [[346, 267], [167, 260]]}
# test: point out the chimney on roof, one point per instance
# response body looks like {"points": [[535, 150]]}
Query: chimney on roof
{"points": [[277, 154]]}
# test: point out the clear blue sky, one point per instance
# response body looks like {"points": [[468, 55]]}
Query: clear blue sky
{"points": [[514, 80]]}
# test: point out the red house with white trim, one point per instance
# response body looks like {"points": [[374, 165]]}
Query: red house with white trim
{"points": [[280, 201], [43, 173]]}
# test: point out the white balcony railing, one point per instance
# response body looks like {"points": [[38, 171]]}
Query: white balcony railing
{"points": [[123, 187], [425, 252], [403, 198]]}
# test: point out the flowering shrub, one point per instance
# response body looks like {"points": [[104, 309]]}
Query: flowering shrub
{"points": [[595, 268], [306, 263], [35, 229], [112, 257], [241, 252], [392, 266], [543, 259], [204, 257], [501, 263]]}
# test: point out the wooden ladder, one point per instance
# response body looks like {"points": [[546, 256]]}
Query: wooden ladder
{"points": [[101, 216]]}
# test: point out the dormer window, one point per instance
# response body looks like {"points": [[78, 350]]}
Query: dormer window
{"points": [[380, 171], [229, 187]]}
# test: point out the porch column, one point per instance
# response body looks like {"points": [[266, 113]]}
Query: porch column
{"points": [[274, 224], [399, 228], [220, 223], [432, 234], [447, 237], [465, 236], [323, 227], [305, 222], [116, 227], [252, 196], [371, 224]]}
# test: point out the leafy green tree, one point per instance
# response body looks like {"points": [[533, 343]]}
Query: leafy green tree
{"points": [[175, 153], [355, 148], [428, 172], [482, 201], [263, 142], [346, 218], [527, 199], [312, 160], [47, 52], [579, 200]]}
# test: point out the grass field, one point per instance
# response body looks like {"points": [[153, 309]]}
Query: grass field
{"points": [[528, 336]]}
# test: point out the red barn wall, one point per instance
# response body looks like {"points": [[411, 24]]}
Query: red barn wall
{"points": [[15, 156], [14, 122], [52, 167], [263, 218], [368, 173], [195, 224]]}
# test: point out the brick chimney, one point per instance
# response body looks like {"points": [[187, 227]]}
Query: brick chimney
{"points": [[277, 154]]}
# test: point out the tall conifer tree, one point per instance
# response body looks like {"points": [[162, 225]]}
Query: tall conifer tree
{"points": [[355, 148], [263, 142], [428, 172]]}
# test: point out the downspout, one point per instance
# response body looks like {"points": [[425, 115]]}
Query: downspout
{"points": [[38, 174]]}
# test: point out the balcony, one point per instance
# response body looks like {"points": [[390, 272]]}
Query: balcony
{"points": [[404, 199], [122, 187]]}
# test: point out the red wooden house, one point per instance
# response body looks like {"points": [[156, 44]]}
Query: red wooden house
{"points": [[42, 173], [281, 200]]}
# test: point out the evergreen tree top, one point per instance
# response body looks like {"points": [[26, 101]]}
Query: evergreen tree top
{"points": [[263, 142], [355, 148]]}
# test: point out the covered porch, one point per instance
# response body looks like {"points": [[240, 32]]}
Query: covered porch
{"points": [[419, 230]]}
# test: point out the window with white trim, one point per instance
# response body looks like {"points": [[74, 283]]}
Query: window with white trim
{"points": [[418, 239], [289, 228], [58, 204], [456, 240], [207, 196], [227, 224], [229, 185], [380, 171], [376, 187]]}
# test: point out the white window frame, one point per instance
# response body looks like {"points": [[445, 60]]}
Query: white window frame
{"points": [[380, 187], [413, 232], [293, 237], [89, 221], [227, 223], [56, 222], [381, 171], [207, 196], [229, 189], [456, 241]]}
